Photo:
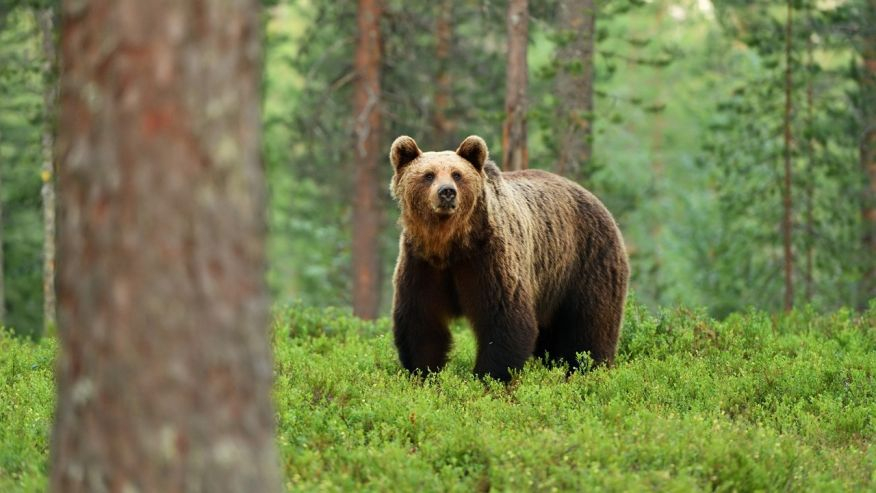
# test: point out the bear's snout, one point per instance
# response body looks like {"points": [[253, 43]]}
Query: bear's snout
{"points": [[444, 201], [447, 193]]}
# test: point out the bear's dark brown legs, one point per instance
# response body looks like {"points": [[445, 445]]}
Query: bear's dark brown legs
{"points": [[581, 326], [423, 342], [505, 342], [421, 310]]}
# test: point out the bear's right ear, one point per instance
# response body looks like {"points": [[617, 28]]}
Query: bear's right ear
{"points": [[474, 150], [403, 151]]}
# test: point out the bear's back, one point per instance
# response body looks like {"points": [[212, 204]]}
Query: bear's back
{"points": [[561, 228]]}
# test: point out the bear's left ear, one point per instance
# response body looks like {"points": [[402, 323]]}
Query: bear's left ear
{"points": [[474, 150], [403, 151]]}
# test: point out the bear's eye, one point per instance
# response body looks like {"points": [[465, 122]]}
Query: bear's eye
{"points": [[456, 176], [429, 176]]}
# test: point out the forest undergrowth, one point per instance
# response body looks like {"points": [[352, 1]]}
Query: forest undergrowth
{"points": [[752, 402]]}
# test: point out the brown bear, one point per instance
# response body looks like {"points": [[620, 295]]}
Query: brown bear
{"points": [[535, 262]]}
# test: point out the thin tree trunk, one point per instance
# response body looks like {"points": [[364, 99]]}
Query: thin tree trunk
{"points": [[868, 154], [2, 272], [810, 161], [442, 126], [514, 151], [787, 203], [657, 175], [45, 18], [2, 223], [574, 83], [164, 376], [366, 206]]}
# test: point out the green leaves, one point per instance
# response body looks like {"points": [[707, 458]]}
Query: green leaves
{"points": [[691, 403]]}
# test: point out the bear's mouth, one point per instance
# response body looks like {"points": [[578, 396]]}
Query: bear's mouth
{"points": [[444, 210]]}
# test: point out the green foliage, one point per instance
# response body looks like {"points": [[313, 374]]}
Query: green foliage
{"points": [[21, 120], [308, 125], [687, 139], [27, 399], [755, 402], [744, 151]]}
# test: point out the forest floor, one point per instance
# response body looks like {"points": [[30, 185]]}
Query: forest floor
{"points": [[754, 402]]}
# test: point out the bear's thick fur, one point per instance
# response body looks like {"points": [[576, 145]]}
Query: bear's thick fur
{"points": [[535, 262]]}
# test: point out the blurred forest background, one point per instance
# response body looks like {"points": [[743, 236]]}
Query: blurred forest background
{"points": [[734, 141]]}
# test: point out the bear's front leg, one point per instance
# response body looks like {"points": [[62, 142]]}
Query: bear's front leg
{"points": [[506, 339], [501, 313], [506, 331], [422, 339], [420, 314]]}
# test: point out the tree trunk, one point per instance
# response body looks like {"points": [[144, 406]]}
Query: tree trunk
{"points": [[787, 203], [2, 272], [442, 126], [658, 168], [577, 21], [46, 22], [514, 152], [366, 205], [868, 153], [2, 222], [810, 164], [164, 375]]}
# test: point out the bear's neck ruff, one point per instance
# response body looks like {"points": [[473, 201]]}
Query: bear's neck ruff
{"points": [[436, 238]]}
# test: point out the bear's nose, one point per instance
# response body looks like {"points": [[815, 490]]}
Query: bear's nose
{"points": [[447, 192]]}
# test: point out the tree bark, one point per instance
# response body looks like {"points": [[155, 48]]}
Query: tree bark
{"points": [[164, 375], [46, 22], [868, 153], [574, 83], [514, 151], [442, 126], [367, 131], [787, 203]]}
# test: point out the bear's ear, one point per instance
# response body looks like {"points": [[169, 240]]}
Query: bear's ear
{"points": [[474, 150], [403, 151]]}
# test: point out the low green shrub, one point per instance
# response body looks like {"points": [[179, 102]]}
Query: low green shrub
{"points": [[754, 402]]}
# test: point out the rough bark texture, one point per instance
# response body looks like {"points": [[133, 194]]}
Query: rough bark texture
{"points": [[577, 23], [366, 205], [442, 125], [868, 153], [787, 203], [164, 375], [46, 21], [514, 151]]}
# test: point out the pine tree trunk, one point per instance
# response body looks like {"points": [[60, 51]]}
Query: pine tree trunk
{"points": [[787, 203], [2, 223], [46, 22], [164, 375], [369, 156], [514, 151], [810, 162], [868, 153], [658, 169], [2, 272], [574, 83], [442, 126]]}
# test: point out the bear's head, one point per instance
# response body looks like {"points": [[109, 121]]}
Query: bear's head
{"points": [[438, 191]]}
